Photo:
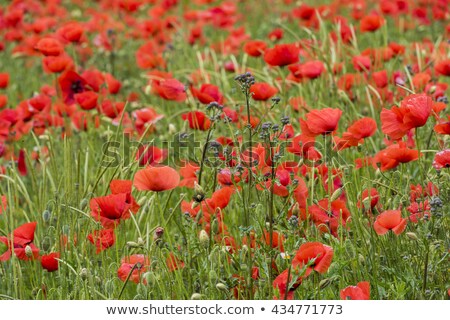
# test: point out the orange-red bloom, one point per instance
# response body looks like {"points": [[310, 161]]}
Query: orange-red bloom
{"points": [[359, 292], [156, 179], [413, 112], [282, 55], [442, 160], [318, 122], [49, 262], [390, 220], [133, 267]]}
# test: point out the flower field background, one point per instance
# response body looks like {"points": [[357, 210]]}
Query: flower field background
{"points": [[169, 149]]}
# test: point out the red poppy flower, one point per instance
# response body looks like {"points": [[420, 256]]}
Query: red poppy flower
{"points": [[86, 100], [413, 112], [102, 239], [4, 80], [21, 164], [282, 281], [442, 160], [71, 83], [318, 122], [262, 91], [208, 93], [124, 186], [49, 262], [360, 129], [282, 55], [380, 78], [136, 264], [315, 254], [197, 120], [303, 146], [156, 179], [49, 47], [150, 155], [170, 89], [255, 48], [277, 240], [443, 67], [359, 292], [110, 209], [3, 101], [188, 171], [145, 118], [71, 32], [361, 63], [173, 263], [56, 64], [112, 83], [443, 127], [22, 237], [328, 218], [320, 253], [371, 23], [369, 199], [390, 220], [309, 69]]}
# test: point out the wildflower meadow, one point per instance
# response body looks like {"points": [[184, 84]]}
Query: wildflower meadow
{"points": [[224, 149]]}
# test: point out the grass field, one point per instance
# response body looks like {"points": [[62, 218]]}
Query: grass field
{"points": [[169, 149]]}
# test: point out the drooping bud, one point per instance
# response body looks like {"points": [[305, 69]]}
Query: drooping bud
{"points": [[196, 296], [336, 194], [412, 236], [132, 244], [222, 287], [199, 193]]}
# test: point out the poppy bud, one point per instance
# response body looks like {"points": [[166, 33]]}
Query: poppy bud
{"points": [[361, 259], [199, 193], [196, 296], [84, 274], [412, 236], [141, 242], [336, 194], [203, 238], [83, 203], [212, 275], [28, 251], [296, 210], [147, 90], [172, 128], [222, 287], [158, 234], [46, 215], [132, 244], [45, 245], [244, 248]]}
